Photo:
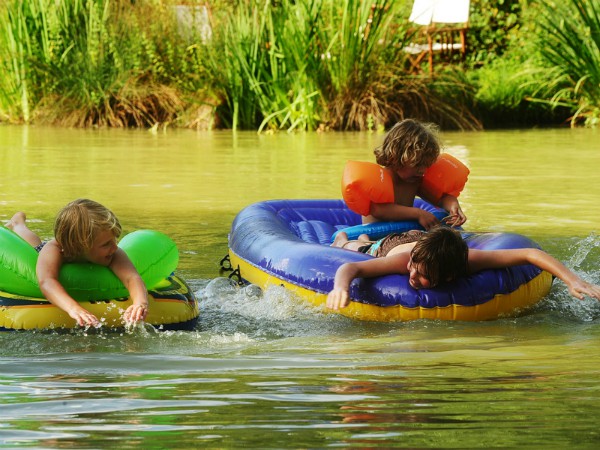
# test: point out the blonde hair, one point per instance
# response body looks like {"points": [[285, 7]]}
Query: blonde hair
{"points": [[78, 223], [409, 144], [442, 254]]}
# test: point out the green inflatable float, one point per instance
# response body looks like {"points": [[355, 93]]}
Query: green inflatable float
{"points": [[153, 254]]}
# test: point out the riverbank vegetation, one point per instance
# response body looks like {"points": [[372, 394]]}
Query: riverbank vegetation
{"points": [[293, 65]]}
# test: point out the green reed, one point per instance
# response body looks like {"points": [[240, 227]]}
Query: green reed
{"points": [[308, 64], [285, 64], [94, 62], [111, 69], [369, 82], [569, 43], [363, 44], [15, 45], [302, 64], [296, 100], [259, 60]]}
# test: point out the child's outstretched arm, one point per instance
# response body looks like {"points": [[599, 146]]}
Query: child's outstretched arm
{"points": [[339, 297], [490, 259], [124, 269], [47, 270]]}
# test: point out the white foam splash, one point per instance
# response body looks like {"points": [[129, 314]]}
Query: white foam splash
{"points": [[273, 304], [582, 250]]}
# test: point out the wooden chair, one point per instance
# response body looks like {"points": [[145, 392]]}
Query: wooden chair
{"points": [[443, 32]]}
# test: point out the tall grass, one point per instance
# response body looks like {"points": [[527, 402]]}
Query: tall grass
{"points": [[306, 64], [260, 60], [16, 46], [364, 42], [505, 88], [270, 64], [93, 62], [370, 84], [569, 45]]}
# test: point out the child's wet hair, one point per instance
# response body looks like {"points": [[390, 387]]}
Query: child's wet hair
{"points": [[409, 144], [78, 223], [442, 255]]}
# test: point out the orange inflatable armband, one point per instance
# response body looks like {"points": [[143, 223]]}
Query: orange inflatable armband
{"points": [[446, 176], [365, 182]]}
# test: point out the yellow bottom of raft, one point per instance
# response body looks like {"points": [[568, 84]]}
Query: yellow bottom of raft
{"points": [[502, 305], [171, 305]]}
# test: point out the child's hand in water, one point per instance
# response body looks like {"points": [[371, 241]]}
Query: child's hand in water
{"points": [[581, 288], [135, 313], [337, 299], [84, 318]]}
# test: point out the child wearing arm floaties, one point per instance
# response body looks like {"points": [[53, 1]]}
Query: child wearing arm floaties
{"points": [[408, 150], [85, 231]]}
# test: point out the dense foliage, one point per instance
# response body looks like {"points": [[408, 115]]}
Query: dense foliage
{"points": [[569, 48], [92, 62], [292, 64]]}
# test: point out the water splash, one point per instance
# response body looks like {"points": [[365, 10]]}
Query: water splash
{"points": [[584, 261], [569, 308], [274, 304], [274, 312], [585, 253]]}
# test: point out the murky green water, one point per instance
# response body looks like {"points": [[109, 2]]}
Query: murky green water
{"points": [[266, 371]]}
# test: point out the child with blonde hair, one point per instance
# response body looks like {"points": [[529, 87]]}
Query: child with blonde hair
{"points": [[84, 231]]}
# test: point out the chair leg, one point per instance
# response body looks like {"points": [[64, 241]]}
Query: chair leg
{"points": [[415, 63]]}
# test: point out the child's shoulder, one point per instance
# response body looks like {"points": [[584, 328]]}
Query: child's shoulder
{"points": [[51, 247]]}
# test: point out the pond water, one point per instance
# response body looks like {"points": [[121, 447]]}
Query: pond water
{"points": [[264, 370]]}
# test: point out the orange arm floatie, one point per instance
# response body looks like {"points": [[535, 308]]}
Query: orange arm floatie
{"points": [[446, 176], [364, 183]]}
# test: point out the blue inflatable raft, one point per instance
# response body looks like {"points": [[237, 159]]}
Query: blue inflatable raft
{"points": [[287, 243]]}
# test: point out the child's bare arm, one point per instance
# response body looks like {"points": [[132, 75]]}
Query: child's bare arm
{"points": [[339, 297], [123, 268], [490, 259], [47, 271]]}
